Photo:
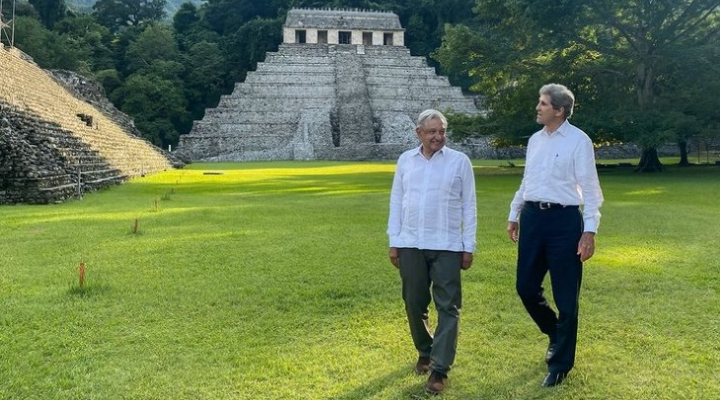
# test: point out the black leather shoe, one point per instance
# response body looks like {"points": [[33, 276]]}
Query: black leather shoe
{"points": [[554, 378], [552, 348]]}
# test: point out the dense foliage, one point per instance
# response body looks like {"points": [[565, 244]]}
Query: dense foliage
{"points": [[645, 71]]}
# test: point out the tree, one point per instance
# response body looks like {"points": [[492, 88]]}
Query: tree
{"points": [[227, 16], [155, 43], [244, 53], [116, 14], [89, 37], [186, 18], [205, 77], [48, 49], [645, 37], [50, 11], [156, 104], [616, 54]]}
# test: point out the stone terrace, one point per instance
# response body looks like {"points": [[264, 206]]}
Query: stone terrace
{"points": [[56, 144], [324, 101]]}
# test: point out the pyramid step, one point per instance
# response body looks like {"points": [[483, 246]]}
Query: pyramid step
{"points": [[290, 79], [309, 69], [233, 116], [253, 104], [280, 90]]}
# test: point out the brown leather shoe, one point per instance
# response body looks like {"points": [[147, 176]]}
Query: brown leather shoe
{"points": [[436, 383], [422, 366]]}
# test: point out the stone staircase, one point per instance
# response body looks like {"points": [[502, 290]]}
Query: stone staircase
{"points": [[58, 145], [320, 101], [354, 111], [40, 162]]}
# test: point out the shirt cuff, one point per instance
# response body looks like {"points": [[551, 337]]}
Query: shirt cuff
{"points": [[514, 215], [590, 226], [393, 241]]}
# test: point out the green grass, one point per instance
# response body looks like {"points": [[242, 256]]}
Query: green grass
{"points": [[271, 281]]}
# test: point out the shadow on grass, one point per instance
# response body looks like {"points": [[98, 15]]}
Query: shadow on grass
{"points": [[88, 291], [376, 386]]}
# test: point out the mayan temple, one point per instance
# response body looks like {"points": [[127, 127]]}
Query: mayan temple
{"points": [[342, 86]]}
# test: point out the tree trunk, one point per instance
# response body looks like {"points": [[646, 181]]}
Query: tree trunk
{"points": [[683, 153], [649, 161]]}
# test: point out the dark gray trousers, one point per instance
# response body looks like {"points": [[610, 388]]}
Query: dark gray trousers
{"points": [[432, 275]]}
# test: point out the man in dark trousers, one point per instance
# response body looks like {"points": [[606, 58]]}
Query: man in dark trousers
{"points": [[553, 233], [431, 228]]}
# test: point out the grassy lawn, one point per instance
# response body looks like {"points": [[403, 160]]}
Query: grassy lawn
{"points": [[271, 281]]}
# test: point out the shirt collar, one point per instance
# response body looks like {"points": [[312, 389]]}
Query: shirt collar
{"points": [[562, 130], [418, 151]]}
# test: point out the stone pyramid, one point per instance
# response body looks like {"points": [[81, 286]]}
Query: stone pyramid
{"points": [[326, 101]]}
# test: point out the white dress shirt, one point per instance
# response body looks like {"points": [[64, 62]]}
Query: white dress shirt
{"points": [[432, 202], [560, 168]]}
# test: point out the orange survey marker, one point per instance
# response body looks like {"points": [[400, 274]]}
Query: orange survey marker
{"points": [[82, 274]]}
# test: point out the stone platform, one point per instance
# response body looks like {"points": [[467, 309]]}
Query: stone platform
{"points": [[324, 102]]}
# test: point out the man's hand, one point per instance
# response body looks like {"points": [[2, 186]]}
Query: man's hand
{"points": [[512, 230], [467, 260], [586, 247], [394, 260]]}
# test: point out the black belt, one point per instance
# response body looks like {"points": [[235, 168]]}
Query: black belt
{"points": [[544, 205]]}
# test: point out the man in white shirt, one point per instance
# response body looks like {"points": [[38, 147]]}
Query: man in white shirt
{"points": [[556, 236], [432, 224]]}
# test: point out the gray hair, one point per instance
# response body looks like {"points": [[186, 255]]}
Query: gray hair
{"points": [[431, 114], [560, 97]]}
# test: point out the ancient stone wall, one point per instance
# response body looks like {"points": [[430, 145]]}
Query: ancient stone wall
{"points": [[56, 143], [42, 163], [317, 101]]}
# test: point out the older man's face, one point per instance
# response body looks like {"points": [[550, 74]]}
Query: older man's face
{"points": [[546, 114], [432, 136]]}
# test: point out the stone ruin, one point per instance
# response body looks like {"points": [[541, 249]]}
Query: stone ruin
{"points": [[60, 137], [342, 86]]}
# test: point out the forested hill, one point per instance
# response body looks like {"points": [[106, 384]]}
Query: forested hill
{"points": [[86, 5], [646, 83]]}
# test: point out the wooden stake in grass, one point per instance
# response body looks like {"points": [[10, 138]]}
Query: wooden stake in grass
{"points": [[81, 272], [135, 226], [155, 205]]}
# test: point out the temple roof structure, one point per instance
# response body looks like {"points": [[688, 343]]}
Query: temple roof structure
{"points": [[342, 19]]}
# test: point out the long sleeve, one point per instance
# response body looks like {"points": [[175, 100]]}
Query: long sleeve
{"points": [[469, 208], [396, 196], [587, 178]]}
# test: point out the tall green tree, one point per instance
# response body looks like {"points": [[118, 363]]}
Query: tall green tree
{"points": [[89, 37], [47, 48], [116, 14], [50, 11], [644, 38], [155, 43], [205, 77], [617, 54], [156, 103], [186, 18], [227, 16], [243, 54]]}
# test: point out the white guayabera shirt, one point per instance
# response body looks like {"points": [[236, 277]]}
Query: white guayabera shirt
{"points": [[560, 168], [432, 202]]}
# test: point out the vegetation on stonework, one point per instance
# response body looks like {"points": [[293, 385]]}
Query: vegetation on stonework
{"points": [[271, 281]]}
